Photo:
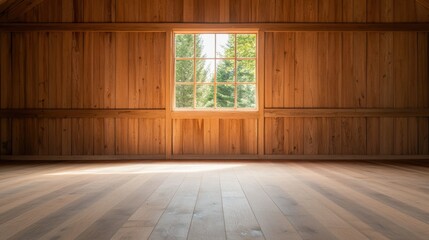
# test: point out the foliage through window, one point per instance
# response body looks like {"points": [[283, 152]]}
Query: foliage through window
{"points": [[215, 71]]}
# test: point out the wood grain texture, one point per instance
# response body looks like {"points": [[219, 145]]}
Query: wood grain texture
{"points": [[94, 77], [214, 136], [214, 200], [163, 27], [204, 11]]}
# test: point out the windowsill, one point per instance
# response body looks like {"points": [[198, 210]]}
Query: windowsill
{"points": [[231, 114]]}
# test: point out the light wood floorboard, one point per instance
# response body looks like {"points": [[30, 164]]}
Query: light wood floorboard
{"points": [[214, 200]]}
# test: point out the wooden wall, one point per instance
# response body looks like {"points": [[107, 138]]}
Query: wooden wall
{"points": [[83, 71], [104, 78], [223, 11]]}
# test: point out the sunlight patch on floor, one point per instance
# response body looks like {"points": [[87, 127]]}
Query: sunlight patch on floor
{"points": [[151, 168]]}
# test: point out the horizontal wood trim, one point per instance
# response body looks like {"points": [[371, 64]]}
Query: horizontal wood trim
{"points": [[347, 157], [214, 114], [212, 157], [156, 113], [333, 112], [79, 157], [81, 113], [163, 27]]}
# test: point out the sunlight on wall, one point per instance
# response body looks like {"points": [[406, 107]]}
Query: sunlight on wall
{"points": [[151, 168]]}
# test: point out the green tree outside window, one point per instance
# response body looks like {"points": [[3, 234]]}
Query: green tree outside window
{"points": [[215, 71]]}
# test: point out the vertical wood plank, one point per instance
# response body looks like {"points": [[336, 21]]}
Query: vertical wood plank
{"points": [[98, 128], [30, 69], [274, 136], [18, 70], [98, 80], [6, 90], [268, 74], [311, 136], [386, 10], [302, 7], [289, 70], [311, 86], [188, 10], [336, 137], [373, 70], [322, 70], [311, 12], [373, 86], [387, 84], [359, 69], [334, 73], [224, 11], [412, 129], [66, 99], [67, 11], [168, 93], [423, 74], [404, 11], [18, 137], [423, 136], [88, 88], [133, 136], [401, 136], [109, 75], [330, 11], [211, 136], [176, 137], [151, 136], [373, 13], [423, 91], [373, 136], [387, 136], [77, 89], [121, 72], [261, 93], [133, 93], [55, 91], [188, 137]]}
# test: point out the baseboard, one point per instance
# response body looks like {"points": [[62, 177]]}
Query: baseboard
{"points": [[212, 157], [348, 157], [79, 157]]}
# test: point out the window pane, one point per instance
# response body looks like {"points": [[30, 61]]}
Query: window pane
{"points": [[184, 96], [225, 96], [246, 96], [205, 97], [246, 70], [184, 45], [184, 70], [205, 45], [205, 70], [246, 45], [225, 70], [225, 45]]}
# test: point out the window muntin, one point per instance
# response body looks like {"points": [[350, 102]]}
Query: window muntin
{"points": [[215, 71]]}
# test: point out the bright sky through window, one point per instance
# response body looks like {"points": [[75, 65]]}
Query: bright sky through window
{"points": [[215, 71]]}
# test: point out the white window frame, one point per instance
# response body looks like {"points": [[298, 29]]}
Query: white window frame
{"points": [[235, 83]]}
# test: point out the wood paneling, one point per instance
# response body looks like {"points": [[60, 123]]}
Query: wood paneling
{"points": [[212, 10], [163, 27], [215, 136], [358, 80], [329, 82], [58, 87]]}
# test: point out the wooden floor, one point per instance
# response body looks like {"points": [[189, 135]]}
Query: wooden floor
{"points": [[214, 200]]}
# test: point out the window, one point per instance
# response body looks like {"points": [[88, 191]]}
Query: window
{"points": [[215, 71]]}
